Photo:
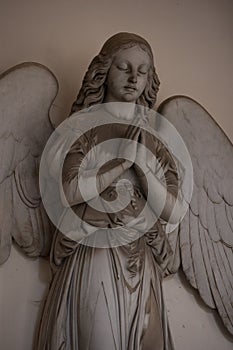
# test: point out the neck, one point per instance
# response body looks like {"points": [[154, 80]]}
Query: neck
{"points": [[121, 110]]}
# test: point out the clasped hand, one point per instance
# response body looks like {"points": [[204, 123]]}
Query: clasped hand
{"points": [[133, 149]]}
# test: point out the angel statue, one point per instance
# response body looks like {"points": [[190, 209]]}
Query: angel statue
{"points": [[116, 207]]}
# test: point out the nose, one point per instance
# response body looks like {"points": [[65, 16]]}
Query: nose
{"points": [[133, 76]]}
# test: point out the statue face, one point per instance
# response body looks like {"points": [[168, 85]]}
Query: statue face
{"points": [[128, 75]]}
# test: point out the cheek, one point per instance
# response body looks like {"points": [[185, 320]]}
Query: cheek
{"points": [[143, 82], [114, 85], [117, 82]]}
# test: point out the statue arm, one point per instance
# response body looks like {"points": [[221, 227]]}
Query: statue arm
{"points": [[91, 181], [161, 199], [83, 168], [161, 178]]}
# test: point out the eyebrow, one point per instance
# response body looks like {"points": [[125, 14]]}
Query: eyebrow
{"points": [[144, 65], [122, 60]]}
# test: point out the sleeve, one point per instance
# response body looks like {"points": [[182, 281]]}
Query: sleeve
{"points": [[167, 167], [74, 163], [62, 247], [161, 250], [167, 170], [74, 159]]}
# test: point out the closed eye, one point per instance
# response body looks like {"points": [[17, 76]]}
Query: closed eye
{"points": [[123, 67], [143, 69], [142, 72]]}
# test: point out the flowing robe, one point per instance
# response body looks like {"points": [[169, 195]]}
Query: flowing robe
{"points": [[108, 298]]}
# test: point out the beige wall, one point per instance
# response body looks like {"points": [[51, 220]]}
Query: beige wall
{"points": [[192, 42]]}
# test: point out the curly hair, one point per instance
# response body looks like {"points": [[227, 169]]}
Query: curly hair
{"points": [[93, 87]]}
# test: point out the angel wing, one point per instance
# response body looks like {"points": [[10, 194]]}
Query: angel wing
{"points": [[206, 232], [26, 94]]}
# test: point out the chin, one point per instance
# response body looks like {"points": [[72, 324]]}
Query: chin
{"points": [[130, 98]]}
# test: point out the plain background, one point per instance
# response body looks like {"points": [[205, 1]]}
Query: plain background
{"points": [[192, 44]]}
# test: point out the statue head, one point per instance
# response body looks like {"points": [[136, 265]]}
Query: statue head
{"points": [[94, 87]]}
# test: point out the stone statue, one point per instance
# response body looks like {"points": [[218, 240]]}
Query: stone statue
{"points": [[111, 298], [106, 293]]}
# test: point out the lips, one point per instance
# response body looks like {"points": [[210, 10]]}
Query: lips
{"points": [[130, 88]]}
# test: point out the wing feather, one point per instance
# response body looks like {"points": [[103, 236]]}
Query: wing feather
{"points": [[203, 202], [26, 95], [229, 255], [194, 201], [206, 233], [224, 268], [222, 224], [211, 220], [185, 243], [198, 261], [209, 184], [229, 216], [208, 268], [5, 219], [221, 300]]}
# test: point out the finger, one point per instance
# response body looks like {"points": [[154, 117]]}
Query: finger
{"points": [[141, 151], [133, 132], [130, 130], [143, 137], [136, 134]]}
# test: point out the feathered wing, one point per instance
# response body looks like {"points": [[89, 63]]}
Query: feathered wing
{"points": [[26, 95], [206, 232]]}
